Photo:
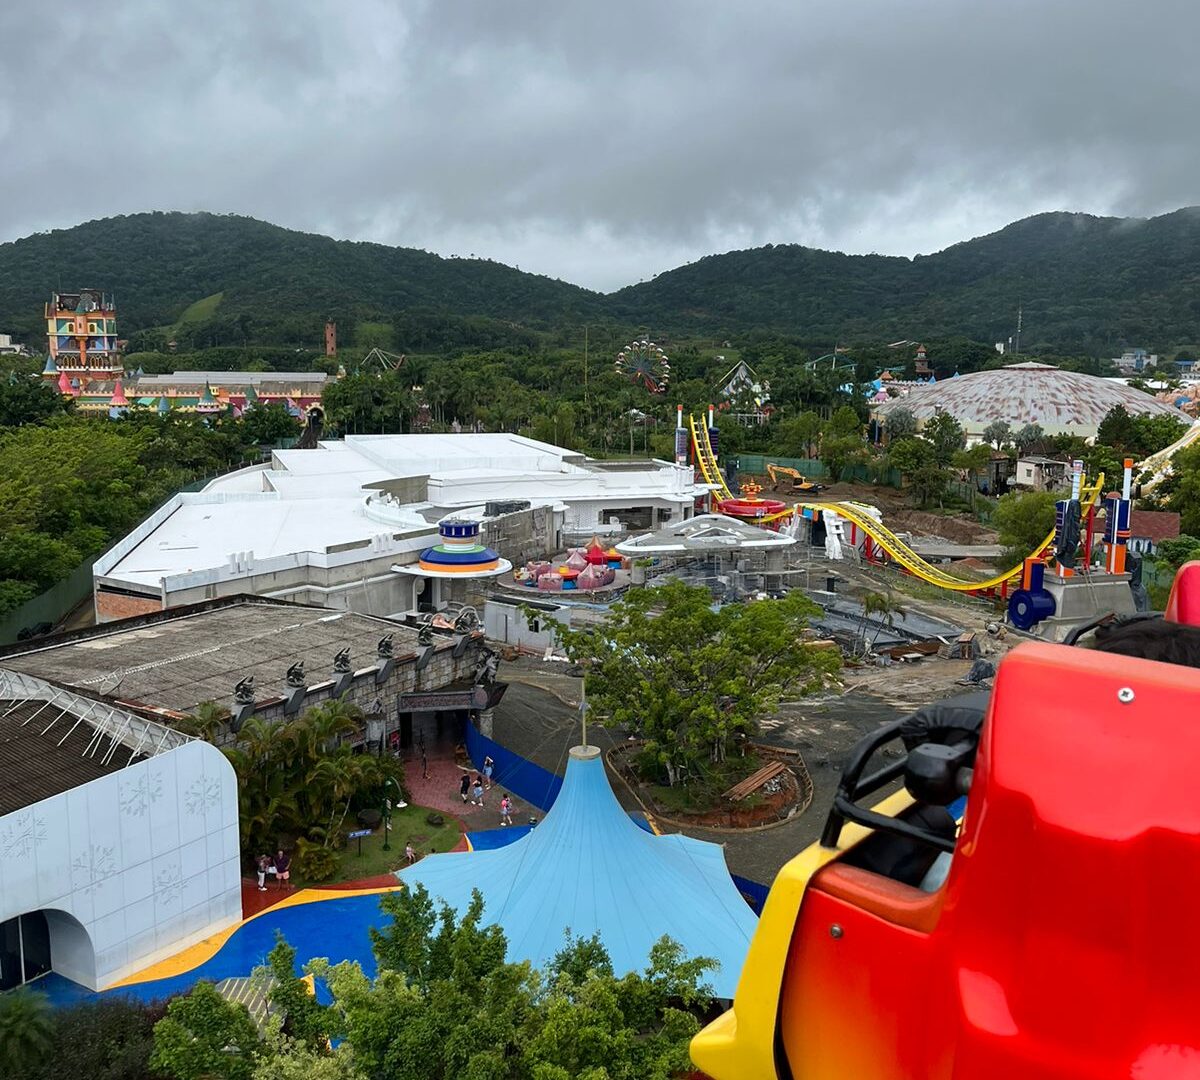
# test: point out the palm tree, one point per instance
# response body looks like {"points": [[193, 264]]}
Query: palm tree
{"points": [[206, 721], [883, 605], [26, 1031]]}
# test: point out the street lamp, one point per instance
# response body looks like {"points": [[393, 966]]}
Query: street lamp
{"points": [[387, 810]]}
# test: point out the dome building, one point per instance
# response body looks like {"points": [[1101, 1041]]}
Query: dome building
{"points": [[1060, 402]]}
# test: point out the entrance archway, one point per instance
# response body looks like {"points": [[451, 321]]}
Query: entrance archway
{"points": [[37, 942]]}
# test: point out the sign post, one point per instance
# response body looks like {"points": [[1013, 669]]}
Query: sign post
{"points": [[358, 835]]}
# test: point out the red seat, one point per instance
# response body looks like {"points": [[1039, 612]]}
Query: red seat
{"points": [[1183, 606]]}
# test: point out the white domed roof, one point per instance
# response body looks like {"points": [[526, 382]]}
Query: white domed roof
{"points": [[1056, 400]]}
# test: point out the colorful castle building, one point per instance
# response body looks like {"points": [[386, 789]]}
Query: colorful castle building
{"points": [[81, 328]]}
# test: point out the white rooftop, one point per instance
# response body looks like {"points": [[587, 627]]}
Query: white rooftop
{"points": [[326, 505]]}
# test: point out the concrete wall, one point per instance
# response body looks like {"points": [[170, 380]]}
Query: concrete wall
{"points": [[441, 670], [129, 868], [509, 625]]}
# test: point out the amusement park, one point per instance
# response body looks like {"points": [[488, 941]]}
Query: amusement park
{"points": [[647, 542], [628, 708]]}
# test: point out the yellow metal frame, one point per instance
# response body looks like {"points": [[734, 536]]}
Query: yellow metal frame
{"points": [[740, 1043], [895, 548]]}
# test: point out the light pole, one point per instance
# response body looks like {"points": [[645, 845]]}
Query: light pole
{"points": [[387, 810]]}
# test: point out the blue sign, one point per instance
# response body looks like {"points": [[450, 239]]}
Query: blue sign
{"points": [[359, 833]]}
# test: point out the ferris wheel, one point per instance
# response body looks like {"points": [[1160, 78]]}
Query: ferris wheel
{"points": [[644, 364]]}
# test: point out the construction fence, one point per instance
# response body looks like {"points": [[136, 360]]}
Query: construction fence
{"points": [[812, 469]]}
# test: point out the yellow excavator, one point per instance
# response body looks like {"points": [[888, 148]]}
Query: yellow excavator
{"points": [[791, 481]]}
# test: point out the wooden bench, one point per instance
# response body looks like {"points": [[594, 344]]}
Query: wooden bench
{"points": [[754, 781]]}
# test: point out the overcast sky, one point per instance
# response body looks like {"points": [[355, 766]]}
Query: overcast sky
{"points": [[600, 141]]}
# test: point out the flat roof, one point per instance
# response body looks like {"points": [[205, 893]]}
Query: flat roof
{"points": [[313, 500], [37, 762], [185, 657], [201, 535]]}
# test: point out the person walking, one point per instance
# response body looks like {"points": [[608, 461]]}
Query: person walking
{"points": [[424, 762], [464, 786], [261, 864], [506, 810], [477, 792], [283, 868], [488, 767]]}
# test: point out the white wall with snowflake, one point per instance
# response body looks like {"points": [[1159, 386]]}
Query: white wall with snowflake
{"points": [[131, 867]]}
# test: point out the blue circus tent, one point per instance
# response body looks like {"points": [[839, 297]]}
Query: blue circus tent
{"points": [[589, 868]]}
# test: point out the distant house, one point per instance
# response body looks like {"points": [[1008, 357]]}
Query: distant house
{"points": [[1135, 361], [1040, 473], [1147, 528], [8, 347]]}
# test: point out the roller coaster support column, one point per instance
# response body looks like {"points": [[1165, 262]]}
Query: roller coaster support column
{"points": [[1066, 525], [1116, 524]]}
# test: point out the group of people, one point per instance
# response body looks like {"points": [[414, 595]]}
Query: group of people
{"points": [[473, 790], [280, 867]]}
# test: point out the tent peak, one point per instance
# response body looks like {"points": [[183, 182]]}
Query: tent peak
{"points": [[585, 753]]}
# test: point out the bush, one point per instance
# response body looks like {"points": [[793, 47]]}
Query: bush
{"points": [[109, 1039], [315, 862]]}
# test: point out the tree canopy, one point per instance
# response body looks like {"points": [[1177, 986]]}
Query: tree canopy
{"points": [[689, 679]]}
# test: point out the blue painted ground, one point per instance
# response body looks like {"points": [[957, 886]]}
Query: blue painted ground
{"points": [[335, 929]]}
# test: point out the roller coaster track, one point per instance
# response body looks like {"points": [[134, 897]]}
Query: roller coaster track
{"points": [[1159, 465], [888, 542]]}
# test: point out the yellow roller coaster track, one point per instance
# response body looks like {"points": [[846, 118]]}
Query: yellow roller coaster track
{"points": [[889, 543]]}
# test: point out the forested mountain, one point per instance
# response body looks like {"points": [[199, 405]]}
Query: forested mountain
{"points": [[275, 286], [1084, 284]]}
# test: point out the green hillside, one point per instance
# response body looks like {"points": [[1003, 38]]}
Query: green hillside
{"points": [[1085, 284], [227, 280]]}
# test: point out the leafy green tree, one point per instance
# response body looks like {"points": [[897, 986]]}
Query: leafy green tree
{"points": [[27, 399], [1184, 488], [798, 434], [1023, 520], [900, 422], [998, 433], [845, 422], [269, 424], [689, 679], [305, 1020], [1028, 437], [840, 451], [909, 454], [945, 435], [205, 1037], [26, 1031], [1177, 550], [109, 1038], [973, 462], [884, 607], [929, 482], [1116, 430]]}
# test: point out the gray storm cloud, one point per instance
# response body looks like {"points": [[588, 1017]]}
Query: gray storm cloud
{"points": [[601, 143]]}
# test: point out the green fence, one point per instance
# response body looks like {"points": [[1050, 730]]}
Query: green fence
{"points": [[756, 465]]}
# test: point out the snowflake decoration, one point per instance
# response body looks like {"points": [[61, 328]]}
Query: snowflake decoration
{"points": [[93, 866], [202, 794], [23, 834], [168, 884], [137, 797]]}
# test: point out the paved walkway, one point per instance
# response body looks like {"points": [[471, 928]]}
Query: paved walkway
{"points": [[440, 792]]}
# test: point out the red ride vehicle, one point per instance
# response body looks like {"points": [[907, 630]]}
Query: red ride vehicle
{"points": [[1057, 935]]}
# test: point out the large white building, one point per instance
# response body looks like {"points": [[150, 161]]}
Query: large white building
{"points": [[331, 525], [118, 837]]}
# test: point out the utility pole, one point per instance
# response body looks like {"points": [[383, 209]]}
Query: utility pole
{"points": [[1020, 313], [585, 368]]}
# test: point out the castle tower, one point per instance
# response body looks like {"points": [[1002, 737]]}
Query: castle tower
{"points": [[82, 331], [331, 338]]}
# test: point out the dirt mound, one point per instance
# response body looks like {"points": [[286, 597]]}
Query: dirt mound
{"points": [[956, 530]]}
